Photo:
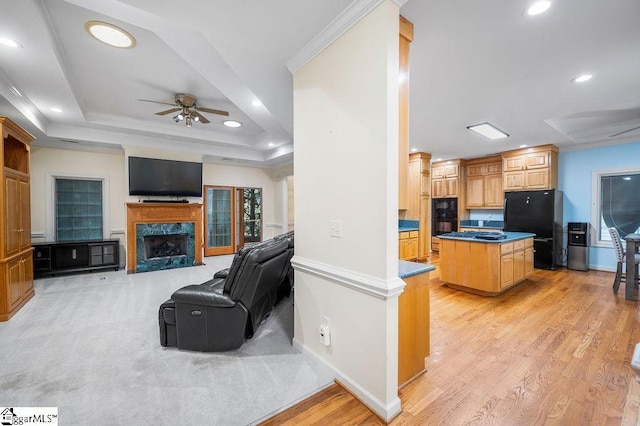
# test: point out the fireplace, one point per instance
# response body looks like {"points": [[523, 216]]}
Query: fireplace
{"points": [[165, 245], [161, 236]]}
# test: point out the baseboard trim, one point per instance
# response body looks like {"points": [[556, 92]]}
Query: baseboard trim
{"points": [[386, 412], [380, 288]]}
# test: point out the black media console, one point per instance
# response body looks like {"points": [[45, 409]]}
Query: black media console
{"points": [[51, 259]]}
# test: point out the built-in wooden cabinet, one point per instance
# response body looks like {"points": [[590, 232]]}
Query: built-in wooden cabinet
{"points": [[445, 178], [408, 245], [484, 183], [16, 270], [530, 168], [419, 195], [516, 262], [405, 38]]}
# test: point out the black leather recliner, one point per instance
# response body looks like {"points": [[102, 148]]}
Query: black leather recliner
{"points": [[220, 314]]}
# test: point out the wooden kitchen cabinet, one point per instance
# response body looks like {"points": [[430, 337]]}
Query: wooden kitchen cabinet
{"points": [[420, 199], [485, 268], [445, 178], [16, 270], [405, 38], [530, 168], [484, 183], [408, 245]]}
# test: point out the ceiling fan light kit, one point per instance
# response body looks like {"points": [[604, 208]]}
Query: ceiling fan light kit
{"points": [[188, 110]]}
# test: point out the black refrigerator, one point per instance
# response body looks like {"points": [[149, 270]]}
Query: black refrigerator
{"points": [[539, 212]]}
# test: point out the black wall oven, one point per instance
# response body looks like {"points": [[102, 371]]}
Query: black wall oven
{"points": [[444, 216]]}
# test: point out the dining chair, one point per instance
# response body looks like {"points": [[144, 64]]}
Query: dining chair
{"points": [[621, 257]]}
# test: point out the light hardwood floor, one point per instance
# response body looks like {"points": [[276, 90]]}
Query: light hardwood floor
{"points": [[554, 350]]}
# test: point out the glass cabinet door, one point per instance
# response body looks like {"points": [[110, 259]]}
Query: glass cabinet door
{"points": [[219, 220]]}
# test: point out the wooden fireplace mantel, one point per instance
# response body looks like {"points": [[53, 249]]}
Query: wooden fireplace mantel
{"points": [[161, 213]]}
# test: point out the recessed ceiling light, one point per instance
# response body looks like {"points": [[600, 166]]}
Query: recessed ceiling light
{"points": [[488, 131], [110, 34], [438, 159], [9, 43], [271, 144], [523, 146], [256, 103], [232, 123], [582, 78], [538, 7], [56, 109], [414, 149]]}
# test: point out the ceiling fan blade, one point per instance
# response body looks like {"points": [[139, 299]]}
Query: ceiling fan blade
{"points": [[169, 111], [200, 117], [157, 102], [213, 111]]}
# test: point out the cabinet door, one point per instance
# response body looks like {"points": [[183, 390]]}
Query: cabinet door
{"points": [[513, 181], [14, 283], [476, 169], [537, 161], [528, 261], [510, 164], [26, 278], [537, 179], [437, 172], [493, 193], [23, 213], [475, 191], [518, 266], [451, 187], [438, 188], [12, 215], [506, 270]]}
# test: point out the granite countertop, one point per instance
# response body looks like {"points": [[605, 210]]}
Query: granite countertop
{"points": [[407, 228], [510, 237], [408, 269]]}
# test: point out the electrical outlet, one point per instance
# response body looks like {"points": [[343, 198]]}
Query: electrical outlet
{"points": [[335, 228], [325, 334]]}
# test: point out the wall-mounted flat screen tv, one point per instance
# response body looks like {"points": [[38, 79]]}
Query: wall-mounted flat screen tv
{"points": [[151, 176]]}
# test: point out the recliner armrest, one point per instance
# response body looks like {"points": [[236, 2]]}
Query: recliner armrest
{"points": [[223, 273], [210, 293]]}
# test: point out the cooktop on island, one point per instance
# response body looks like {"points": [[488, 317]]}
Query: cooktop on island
{"points": [[479, 235]]}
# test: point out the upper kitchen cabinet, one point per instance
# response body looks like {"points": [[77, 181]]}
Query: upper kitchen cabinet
{"points": [[484, 183], [530, 168], [406, 36], [445, 178]]}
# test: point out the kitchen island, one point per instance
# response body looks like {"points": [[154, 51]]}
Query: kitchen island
{"points": [[487, 264]]}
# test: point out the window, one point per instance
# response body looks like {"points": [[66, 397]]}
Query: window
{"points": [[252, 206], [618, 203], [78, 209]]}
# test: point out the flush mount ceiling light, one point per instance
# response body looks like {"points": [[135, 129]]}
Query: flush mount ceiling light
{"points": [[110, 34], [488, 131], [9, 43], [232, 123], [582, 78], [538, 7]]}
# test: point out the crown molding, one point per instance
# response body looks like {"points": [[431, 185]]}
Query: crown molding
{"points": [[341, 24]]}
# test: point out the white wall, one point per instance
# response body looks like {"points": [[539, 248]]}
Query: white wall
{"points": [[346, 170], [48, 162]]}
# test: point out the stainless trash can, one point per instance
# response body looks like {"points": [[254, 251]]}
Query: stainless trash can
{"points": [[578, 249]]}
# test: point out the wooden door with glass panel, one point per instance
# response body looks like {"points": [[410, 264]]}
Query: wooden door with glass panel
{"points": [[219, 220]]}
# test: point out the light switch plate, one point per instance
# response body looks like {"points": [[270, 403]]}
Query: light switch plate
{"points": [[335, 228]]}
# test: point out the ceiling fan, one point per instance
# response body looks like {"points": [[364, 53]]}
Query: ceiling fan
{"points": [[187, 109]]}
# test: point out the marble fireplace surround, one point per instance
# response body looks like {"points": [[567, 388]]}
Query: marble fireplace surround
{"points": [[163, 219]]}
